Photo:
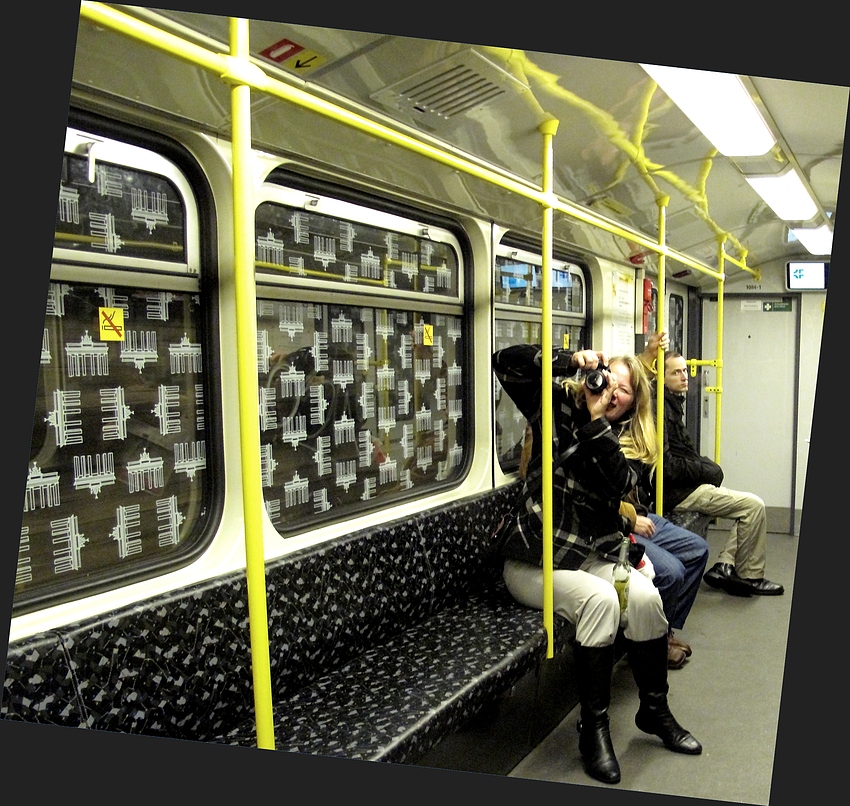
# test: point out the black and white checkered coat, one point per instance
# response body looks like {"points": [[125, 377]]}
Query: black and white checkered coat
{"points": [[590, 476]]}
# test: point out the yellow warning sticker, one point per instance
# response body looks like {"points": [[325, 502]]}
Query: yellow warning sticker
{"points": [[111, 324], [304, 61]]}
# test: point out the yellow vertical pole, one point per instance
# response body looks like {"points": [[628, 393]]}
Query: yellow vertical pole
{"points": [[662, 203], [547, 129], [246, 350], [719, 365]]}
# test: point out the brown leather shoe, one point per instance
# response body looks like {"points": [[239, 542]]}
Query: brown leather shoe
{"points": [[673, 641], [676, 656]]}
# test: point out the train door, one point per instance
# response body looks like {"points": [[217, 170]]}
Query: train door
{"points": [[758, 426]]}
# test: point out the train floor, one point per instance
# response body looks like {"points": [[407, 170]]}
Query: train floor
{"points": [[727, 695]]}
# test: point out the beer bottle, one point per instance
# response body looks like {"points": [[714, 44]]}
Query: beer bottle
{"points": [[622, 573]]}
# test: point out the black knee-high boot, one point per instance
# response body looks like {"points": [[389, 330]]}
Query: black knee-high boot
{"points": [[648, 660], [594, 666]]}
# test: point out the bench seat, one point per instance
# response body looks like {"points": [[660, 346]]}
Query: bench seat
{"points": [[395, 701], [381, 642], [697, 522]]}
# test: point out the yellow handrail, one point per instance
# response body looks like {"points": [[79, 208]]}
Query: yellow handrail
{"points": [[722, 257], [246, 351], [253, 76], [662, 203], [244, 76], [547, 129]]}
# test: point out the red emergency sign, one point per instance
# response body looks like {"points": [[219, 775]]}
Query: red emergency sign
{"points": [[281, 51]]}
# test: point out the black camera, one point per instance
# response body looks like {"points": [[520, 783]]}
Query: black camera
{"points": [[595, 380]]}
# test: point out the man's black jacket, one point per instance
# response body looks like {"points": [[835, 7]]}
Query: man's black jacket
{"points": [[684, 468]]}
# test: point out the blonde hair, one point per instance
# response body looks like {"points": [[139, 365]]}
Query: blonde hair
{"points": [[636, 431]]}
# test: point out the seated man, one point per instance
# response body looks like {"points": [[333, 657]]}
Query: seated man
{"points": [[694, 482]]}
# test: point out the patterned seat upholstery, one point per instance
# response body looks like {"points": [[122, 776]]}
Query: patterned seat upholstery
{"points": [[176, 666], [696, 522], [381, 643]]}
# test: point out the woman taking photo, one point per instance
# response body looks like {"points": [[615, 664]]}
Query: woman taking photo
{"points": [[598, 441]]}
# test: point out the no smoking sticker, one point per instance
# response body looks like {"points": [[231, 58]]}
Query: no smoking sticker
{"points": [[111, 324]]}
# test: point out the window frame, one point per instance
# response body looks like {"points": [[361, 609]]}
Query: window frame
{"points": [[347, 205], [97, 148], [139, 150]]}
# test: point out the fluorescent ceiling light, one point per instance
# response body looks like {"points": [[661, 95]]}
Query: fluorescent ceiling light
{"points": [[785, 194], [818, 241], [719, 105]]}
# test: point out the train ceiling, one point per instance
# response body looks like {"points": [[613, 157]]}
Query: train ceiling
{"points": [[490, 101]]}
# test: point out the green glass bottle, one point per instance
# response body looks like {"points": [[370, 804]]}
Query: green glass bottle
{"points": [[622, 573]]}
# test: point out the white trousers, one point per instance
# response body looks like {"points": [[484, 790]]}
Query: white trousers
{"points": [[746, 547], [587, 599]]}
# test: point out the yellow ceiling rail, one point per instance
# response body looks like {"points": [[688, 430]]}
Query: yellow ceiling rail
{"points": [[725, 257], [252, 75], [244, 75], [520, 66]]}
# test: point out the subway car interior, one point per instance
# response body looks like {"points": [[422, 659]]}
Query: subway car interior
{"points": [[268, 451]]}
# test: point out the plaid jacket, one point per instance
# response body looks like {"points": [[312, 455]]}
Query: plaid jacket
{"points": [[590, 476]]}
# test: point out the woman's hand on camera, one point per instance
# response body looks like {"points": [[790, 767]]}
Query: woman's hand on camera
{"points": [[588, 359], [597, 404]]}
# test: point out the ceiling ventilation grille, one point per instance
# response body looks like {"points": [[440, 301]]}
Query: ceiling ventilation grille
{"points": [[449, 88]]}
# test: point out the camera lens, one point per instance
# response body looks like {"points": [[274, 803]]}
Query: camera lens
{"points": [[595, 381]]}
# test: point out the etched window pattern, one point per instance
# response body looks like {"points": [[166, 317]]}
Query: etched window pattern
{"points": [[124, 211], [302, 243], [518, 302], [359, 406], [510, 424], [117, 469]]}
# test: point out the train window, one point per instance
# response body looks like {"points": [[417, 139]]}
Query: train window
{"points": [[362, 392], [519, 282], [117, 486], [297, 237], [122, 206], [518, 319]]}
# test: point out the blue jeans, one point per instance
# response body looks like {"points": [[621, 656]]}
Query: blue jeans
{"points": [[679, 557]]}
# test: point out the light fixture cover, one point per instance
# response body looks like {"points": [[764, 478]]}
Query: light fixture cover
{"points": [[818, 241], [719, 105], [785, 194]]}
